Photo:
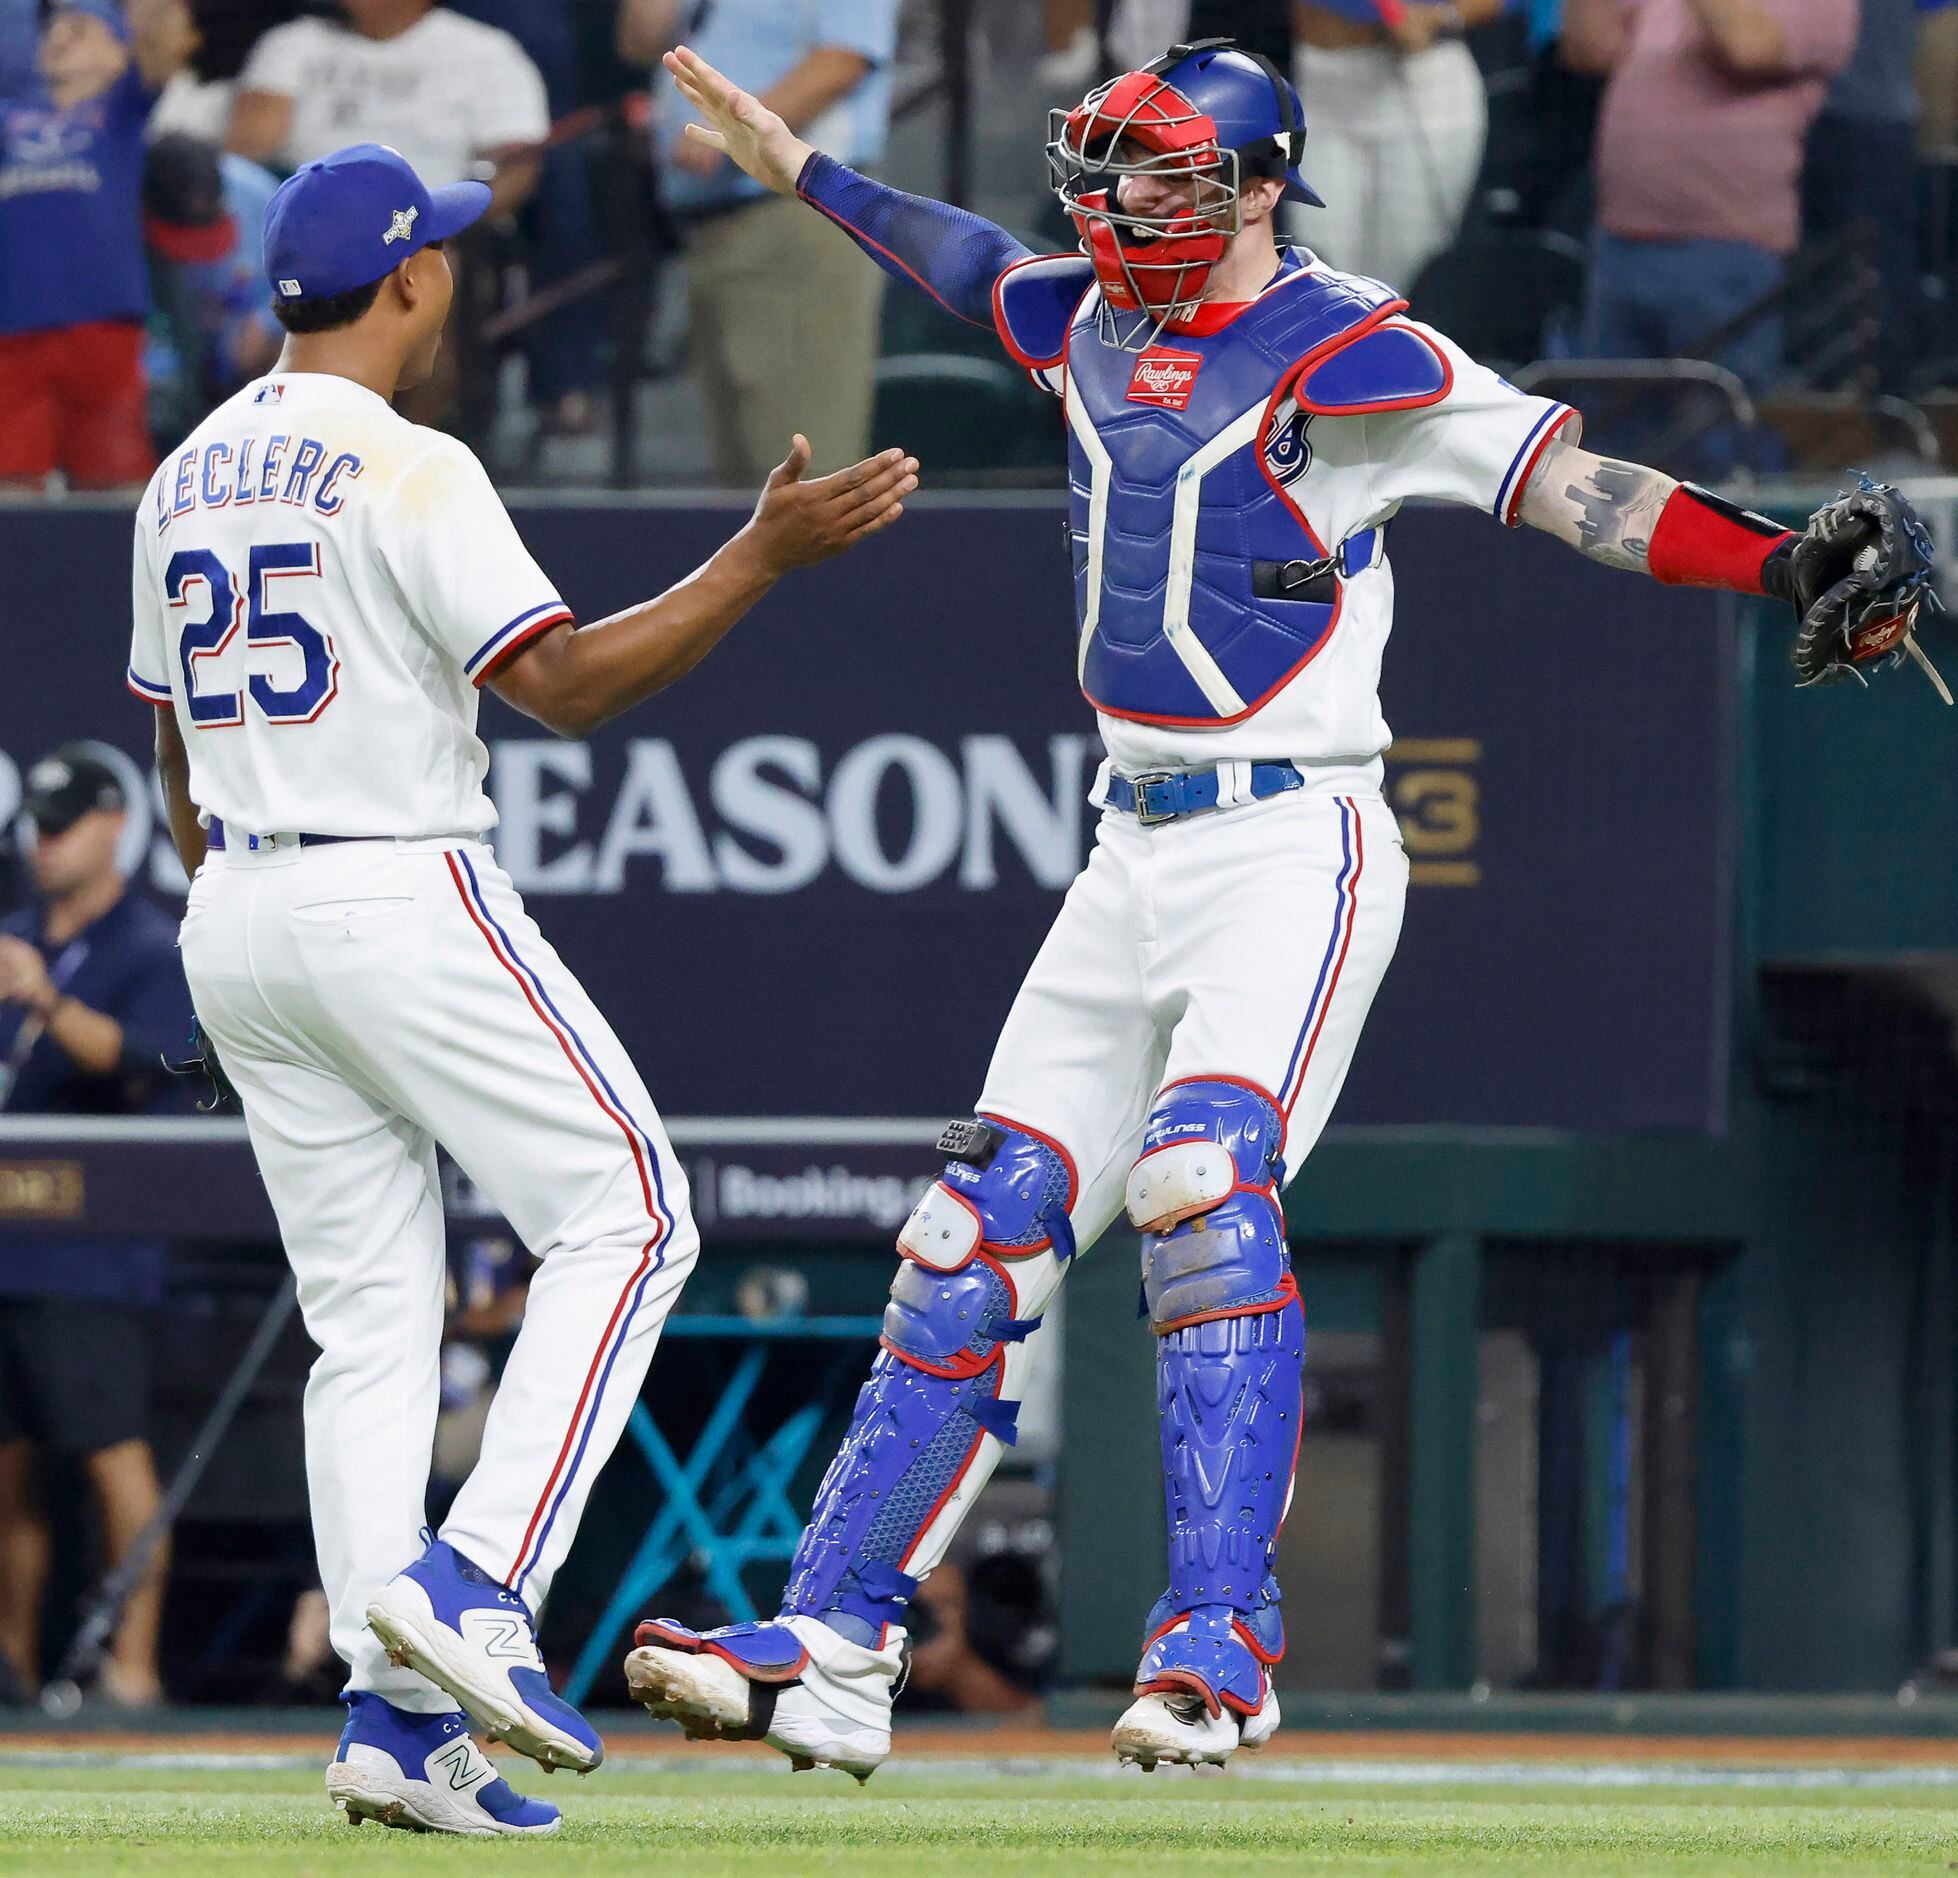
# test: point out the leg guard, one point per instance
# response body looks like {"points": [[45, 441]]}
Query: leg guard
{"points": [[983, 1253], [1217, 1284]]}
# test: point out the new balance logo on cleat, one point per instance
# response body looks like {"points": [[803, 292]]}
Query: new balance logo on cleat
{"points": [[503, 1636], [464, 1764]]}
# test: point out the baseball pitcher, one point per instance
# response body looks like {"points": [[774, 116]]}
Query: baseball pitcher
{"points": [[320, 590]]}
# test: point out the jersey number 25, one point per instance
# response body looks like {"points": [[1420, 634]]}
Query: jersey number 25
{"points": [[231, 604]]}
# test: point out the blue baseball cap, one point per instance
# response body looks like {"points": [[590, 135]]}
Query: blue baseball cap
{"points": [[353, 217]]}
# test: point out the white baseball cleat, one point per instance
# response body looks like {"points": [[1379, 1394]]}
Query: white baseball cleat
{"points": [[450, 1621], [1180, 1728], [794, 1683], [422, 1773]]}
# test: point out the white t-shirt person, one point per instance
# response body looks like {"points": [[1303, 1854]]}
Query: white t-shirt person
{"points": [[442, 93]]}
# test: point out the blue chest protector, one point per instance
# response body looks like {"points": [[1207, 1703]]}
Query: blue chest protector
{"points": [[1182, 460]]}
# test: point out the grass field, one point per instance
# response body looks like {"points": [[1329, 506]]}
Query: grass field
{"points": [[81, 1813]]}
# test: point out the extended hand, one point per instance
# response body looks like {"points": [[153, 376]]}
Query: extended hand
{"points": [[797, 522], [23, 974], [738, 124]]}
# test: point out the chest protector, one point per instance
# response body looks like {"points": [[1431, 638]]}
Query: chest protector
{"points": [[1200, 588]]}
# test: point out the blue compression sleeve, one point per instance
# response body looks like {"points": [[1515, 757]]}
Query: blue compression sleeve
{"points": [[945, 252]]}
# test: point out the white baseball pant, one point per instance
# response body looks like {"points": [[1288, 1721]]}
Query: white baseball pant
{"points": [[370, 999], [1245, 944]]}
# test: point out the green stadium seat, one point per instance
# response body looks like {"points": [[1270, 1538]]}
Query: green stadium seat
{"points": [[965, 414]]}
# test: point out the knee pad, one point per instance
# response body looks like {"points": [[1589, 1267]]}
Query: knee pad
{"points": [[1005, 1190], [983, 1250], [1231, 1261], [1206, 1139], [1204, 1192], [953, 1323]]}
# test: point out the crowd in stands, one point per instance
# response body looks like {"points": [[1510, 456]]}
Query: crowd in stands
{"points": [[1759, 184]]}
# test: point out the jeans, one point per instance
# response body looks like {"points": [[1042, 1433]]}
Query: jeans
{"points": [[1664, 299]]}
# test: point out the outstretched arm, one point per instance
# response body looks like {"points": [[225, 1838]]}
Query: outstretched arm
{"points": [[571, 681], [946, 253], [1628, 516]]}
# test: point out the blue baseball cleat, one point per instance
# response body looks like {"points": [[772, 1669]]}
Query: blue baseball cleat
{"points": [[452, 1622], [423, 1773]]}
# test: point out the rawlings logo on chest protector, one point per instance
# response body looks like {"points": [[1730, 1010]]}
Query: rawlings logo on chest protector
{"points": [[1165, 379]]}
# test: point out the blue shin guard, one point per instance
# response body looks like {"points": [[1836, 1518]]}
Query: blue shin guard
{"points": [[1218, 1288], [984, 1251]]}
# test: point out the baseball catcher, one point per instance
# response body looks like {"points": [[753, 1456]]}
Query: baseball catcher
{"points": [[1243, 424]]}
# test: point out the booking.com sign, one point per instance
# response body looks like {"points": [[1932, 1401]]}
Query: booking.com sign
{"points": [[768, 814]]}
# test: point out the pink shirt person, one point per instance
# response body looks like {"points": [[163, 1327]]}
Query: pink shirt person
{"points": [[1700, 137]]}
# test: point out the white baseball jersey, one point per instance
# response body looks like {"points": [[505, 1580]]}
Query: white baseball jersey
{"points": [[319, 586]]}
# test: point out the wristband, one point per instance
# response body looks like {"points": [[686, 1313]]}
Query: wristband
{"points": [[1703, 540]]}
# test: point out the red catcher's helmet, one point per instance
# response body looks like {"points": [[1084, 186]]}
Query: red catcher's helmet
{"points": [[1209, 114]]}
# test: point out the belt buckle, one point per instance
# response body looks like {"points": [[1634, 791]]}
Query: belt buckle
{"points": [[1156, 779]]}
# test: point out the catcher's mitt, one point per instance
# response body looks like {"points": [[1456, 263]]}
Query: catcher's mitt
{"points": [[1857, 578]]}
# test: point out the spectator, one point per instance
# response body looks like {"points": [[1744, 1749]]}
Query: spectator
{"points": [[73, 290], [1396, 116], [1070, 46], [456, 98], [1860, 168], [1699, 152], [783, 312], [204, 220], [563, 350], [92, 999]]}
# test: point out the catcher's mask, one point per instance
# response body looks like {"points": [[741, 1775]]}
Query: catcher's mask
{"points": [[1207, 114]]}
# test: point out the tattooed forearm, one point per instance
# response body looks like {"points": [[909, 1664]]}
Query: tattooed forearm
{"points": [[1602, 507]]}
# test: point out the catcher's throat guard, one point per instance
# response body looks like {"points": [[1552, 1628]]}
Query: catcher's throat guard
{"points": [[1202, 117]]}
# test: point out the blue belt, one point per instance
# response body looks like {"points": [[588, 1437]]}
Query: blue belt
{"points": [[1170, 794], [214, 839]]}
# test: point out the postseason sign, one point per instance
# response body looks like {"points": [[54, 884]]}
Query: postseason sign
{"points": [[806, 882]]}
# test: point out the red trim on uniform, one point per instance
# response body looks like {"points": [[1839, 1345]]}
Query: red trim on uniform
{"points": [[1696, 546], [1543, 443], [504, 654], [1014, 352], [1257, 1649], [646, 1252], [1417, 401], [1339, 964], [1236, 1082], [1027, 1128], [952, 1485], [651, 1630], [1185, 1682], [1289, 1295], [950, 1372]]}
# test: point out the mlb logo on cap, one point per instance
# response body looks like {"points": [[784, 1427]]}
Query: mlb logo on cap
{"points": [[354, 217]]}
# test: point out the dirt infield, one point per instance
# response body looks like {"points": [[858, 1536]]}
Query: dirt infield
{"points": [[1020, 1742]]}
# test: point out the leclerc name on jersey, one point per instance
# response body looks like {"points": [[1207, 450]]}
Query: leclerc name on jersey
{"points": [[295, 471]]}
